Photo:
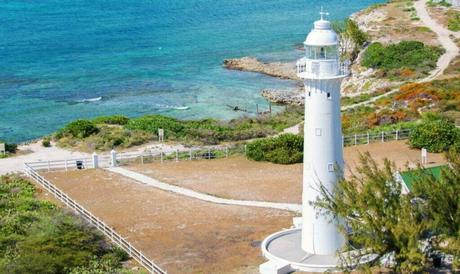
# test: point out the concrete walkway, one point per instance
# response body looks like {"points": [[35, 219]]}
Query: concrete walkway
{"points": [[200, 196]]}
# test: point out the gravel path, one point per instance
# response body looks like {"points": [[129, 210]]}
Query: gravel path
{"points": [[200, 196]]}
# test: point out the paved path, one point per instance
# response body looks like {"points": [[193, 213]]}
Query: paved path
{"points": [[200, 196]]}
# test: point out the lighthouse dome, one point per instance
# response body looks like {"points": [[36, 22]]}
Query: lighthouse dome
{"points": [[322, 35]]}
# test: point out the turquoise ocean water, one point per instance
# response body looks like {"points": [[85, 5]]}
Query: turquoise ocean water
{"points": [[66, 59]]}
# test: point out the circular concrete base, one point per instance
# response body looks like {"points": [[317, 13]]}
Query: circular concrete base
{"points": [[284, 248]]}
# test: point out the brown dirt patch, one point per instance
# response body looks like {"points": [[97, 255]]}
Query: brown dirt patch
{"points": [[392, 23], [180, 234], [239, 178]]}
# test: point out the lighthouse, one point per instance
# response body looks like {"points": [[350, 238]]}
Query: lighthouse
{"points": [[322, 74], [313, 245]]}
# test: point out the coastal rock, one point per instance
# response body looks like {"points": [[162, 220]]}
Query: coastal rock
{"points": [[277, 69], [285, 97]]}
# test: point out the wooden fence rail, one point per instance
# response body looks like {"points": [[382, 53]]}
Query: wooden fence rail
{"points": [[95, 221]]}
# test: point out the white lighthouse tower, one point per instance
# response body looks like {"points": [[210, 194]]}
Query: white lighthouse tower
{"points": [[314, 244]]}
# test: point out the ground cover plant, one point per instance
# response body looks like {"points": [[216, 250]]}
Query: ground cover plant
{"points": [[404, 60], [36, 236], [105, 133], [436, 134]]}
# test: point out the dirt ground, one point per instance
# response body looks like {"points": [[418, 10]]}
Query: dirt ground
{"points": [[392, 23], [239, 178], [182, 235]]}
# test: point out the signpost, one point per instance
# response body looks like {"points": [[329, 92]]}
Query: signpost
{"points": [[161, 135], [2, 149], [424, 156]]}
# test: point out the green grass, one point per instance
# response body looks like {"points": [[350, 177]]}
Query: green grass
{"points": [[38, 237]]}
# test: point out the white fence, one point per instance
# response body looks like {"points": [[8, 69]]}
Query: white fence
{"points": [[123, 158], [93, 220], [384, 136]]}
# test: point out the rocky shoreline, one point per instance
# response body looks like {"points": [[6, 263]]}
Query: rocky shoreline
{"points": [[280, 70]]}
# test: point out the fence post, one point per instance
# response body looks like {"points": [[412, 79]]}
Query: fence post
{"points": [[209, 153], [397, 135], [356, 139], [383, 137], [368, 138], [95, 160], [245, 147], [161, 156], [190, 154], [66, 165], [177, 155], [226, 152], [142, 158], [49, 166], [113, 158]]}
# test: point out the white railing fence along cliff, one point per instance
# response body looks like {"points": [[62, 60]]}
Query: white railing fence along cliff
{"points": [[95, 221], [367, 138]]}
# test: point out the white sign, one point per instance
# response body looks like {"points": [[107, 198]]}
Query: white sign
{"points": [[161, 134], [424, 156], [2, 148]]}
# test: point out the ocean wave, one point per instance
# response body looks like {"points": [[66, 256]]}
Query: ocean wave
{"points": [[174, 107], [90, 100]]}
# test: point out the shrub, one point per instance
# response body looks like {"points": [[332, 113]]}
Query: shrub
{"points": [[152, 123], [79, 129], [405, 55], [112, 120], [434, 133], [9, 147], [284, 149], [46, 142]]}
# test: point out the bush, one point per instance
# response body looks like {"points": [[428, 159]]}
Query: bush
{"points": [[46, 142], [38, 237], [284, 149], [397, 58], [112, 120], [434, 133], [152, 123], [10, 148], [79, 129]]}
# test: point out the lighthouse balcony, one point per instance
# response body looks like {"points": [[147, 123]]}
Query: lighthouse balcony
{"points": [[321, 69]]}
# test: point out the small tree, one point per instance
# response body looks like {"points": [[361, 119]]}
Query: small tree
{"points": [[351, 38], [379, 220]]}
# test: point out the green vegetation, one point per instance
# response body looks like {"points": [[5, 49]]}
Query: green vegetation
{"points": [[385, 222], [453, 22], [407, 59], [444, 3], [78, 129], [436, 134], [38, 237], [352, 39], [9, 149], [283, 149], [117, 131], [46, 142]]}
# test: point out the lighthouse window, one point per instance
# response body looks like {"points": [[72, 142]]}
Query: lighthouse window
{"points": [[318, 132], [329, 96], [309, 94], [330, 167]]}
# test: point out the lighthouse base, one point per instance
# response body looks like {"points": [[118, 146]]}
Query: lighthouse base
{"points": [[284, 252]]}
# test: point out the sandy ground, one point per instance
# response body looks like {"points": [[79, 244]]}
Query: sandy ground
{"points": [[239, 178], [182, 235], [36, 152]]}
